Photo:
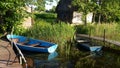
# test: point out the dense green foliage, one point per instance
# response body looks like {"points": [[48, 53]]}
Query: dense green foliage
{"points": [[104, 10], [11, 13], [45, 15], [84, 6], [40, 4], [48, 17]]}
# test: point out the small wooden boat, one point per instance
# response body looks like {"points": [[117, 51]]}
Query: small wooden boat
{"points": [[89, 47], [42, 46]]}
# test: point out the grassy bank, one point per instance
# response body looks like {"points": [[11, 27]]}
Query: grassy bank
{"points": [[112, 31], [45, 28]]}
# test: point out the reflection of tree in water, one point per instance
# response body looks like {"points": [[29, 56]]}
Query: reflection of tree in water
{"points": [[77, 59]]}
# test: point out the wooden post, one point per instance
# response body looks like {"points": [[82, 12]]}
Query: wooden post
{"points": [[90, 35], [104, 37], [32, 21]]}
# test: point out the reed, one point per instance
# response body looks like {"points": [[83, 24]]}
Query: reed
{"points": [[59, 33], [112, 31]]}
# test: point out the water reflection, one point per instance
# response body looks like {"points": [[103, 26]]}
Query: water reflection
{"points": [[35, 60], [75, 59], [99, 60]]}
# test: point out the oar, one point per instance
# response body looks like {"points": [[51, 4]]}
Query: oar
{"points": [[19, 51], [21, 54]]}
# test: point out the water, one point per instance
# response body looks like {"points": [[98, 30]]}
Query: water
{"points": [[75, 59]]}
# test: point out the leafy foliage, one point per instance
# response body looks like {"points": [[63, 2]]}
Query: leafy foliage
{"points": [[84, 6], [11, 13], [48, 17], [104, 10]]}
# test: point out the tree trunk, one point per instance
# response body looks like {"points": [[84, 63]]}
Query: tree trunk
{"points": [[85, 19], [32, 20], [93, 18], [99, 20]]}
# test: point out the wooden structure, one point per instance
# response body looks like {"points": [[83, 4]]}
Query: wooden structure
{"points": [[7, 56], [98, 38]]}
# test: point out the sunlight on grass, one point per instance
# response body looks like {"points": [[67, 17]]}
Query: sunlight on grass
{"points": [[112, 31]]}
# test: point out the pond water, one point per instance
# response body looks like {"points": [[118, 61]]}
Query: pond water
{"points": [[76, 58]]}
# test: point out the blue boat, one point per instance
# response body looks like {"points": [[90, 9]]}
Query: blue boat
{"points": [[88, 46], [91, 48], [42, 46]]}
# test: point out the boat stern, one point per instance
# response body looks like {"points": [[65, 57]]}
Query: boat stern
{"points": [[52, 48], [95, 48]]}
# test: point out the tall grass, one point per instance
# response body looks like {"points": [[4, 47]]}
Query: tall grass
{"points": [[60, 33], [45, 28], [112, 31]]}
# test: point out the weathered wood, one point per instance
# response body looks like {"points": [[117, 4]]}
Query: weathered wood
{"points": [[7, 56], [82, 41], [100, 39]]}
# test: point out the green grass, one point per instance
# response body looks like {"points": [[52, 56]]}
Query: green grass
{"points": [[60, 33], [57, 33], [112, 31]]}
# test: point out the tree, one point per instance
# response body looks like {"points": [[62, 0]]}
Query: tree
{"points": [[104, 10], [112, 10], [11, 13], [64, 11], [40, 4], [84, 6], [53, 9]]}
